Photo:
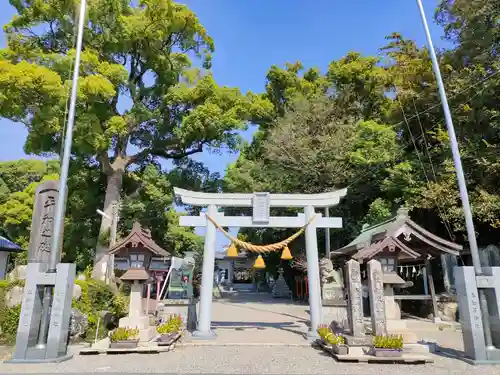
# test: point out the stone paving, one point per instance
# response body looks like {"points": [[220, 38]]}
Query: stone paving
{"points": [[252, 333]]}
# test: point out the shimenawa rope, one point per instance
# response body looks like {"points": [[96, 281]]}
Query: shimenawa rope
{"points": [[261, 248]]}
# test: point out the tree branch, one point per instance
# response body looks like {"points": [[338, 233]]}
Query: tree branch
{"points": [[105, 162], [164, 153]]}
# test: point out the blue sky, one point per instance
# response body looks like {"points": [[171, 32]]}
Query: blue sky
{"points": [[252, 35]]}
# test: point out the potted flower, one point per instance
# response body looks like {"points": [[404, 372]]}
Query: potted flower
{"points": [[170, 330], [124, 338], [332, 341], [388, 346]]}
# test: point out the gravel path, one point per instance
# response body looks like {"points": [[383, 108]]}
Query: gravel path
{"points": [[243, 360]]}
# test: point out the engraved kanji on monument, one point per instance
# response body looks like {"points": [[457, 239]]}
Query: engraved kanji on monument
{"points": [[355, 300], [377, 300], [42, 222]]}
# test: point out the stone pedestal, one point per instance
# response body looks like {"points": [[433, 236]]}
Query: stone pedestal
{"points": [[186, 308], [136, 317], [394, 324], [335, 314], [332, 292], [392, 309]]}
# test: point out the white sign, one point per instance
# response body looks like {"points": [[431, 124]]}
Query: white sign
{"points": [[261, 209]]}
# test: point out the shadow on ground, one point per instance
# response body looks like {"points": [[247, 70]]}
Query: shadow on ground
{"points": [[299, 318], [241, 326]]}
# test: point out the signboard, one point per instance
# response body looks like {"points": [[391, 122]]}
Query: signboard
{"points": [[260, 208]]}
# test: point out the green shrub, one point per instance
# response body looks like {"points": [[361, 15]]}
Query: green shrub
{"points": [[328, 336], [388, 342], [172, 325], [96, 297], [123, 334], [9, 316]]}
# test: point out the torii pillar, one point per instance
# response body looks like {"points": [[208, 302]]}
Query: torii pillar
{"points": [[261, 204]]}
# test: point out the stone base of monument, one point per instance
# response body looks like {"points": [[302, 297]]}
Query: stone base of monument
{"points": [[358, 340], [335, 313], [398, 327], [364, 354], [362, 351], [55, 348], [146, 332], [37, 356], [186, 308]]}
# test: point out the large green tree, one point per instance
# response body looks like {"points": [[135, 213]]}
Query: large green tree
{"points": [[397, 88], [140, 97]]}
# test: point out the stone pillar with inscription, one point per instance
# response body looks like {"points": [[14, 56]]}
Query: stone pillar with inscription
{"points": [[42, 222], [377, 300], [31, 346], [470, 313], [355, 299]]}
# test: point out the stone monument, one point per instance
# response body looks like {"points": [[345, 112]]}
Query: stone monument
{"points": [[377, 300], [355, 299], [333, 296], [44, 338], [280, 287], [467, 285], [42, 222]]}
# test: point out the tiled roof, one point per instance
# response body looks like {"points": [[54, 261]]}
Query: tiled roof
{"points": [[7, 245], [133, 274], [371, 239], [140, 237]]}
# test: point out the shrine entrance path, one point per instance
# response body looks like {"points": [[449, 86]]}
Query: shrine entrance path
{"points": [[257, 318]]}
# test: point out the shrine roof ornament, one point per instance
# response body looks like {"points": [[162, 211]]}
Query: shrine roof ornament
{"points": [[139, 237], [401, 233], [195, 198]]}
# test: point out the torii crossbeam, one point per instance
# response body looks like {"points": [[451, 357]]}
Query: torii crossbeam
{"points": [[261, 204]]}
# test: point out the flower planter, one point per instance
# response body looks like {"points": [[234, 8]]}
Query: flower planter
{"points": [[124, 344], [340, 349], [387, 353], [168, 338]]}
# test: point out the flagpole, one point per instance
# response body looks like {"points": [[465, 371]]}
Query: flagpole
{"points": [[61, 200], [464, 196]]}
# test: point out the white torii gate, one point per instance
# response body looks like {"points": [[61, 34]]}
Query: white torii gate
{"points": [[261, 204]]}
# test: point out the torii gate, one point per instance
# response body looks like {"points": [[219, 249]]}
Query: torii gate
{"points": [[261, 204]]}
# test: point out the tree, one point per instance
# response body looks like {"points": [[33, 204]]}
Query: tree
{"points": [[139, 99]]}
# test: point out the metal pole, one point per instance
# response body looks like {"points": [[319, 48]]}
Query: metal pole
{"points": [[327, 236], [471, 234], [112, 241], [61, 200]]}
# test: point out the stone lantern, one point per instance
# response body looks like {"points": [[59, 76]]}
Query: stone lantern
{"points": [[136, 317]]}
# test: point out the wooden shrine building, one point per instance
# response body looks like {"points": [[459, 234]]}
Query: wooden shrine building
{"points": [[400, 245], [137, 253]]}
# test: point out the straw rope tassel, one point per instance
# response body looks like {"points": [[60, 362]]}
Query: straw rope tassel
{"points": [[232, 252], [286, 254]]}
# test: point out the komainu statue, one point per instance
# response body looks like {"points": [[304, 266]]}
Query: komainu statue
{"points": [[327, 273]]}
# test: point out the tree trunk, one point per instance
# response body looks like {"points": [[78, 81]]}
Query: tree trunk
{"points": [[113, 189]]}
